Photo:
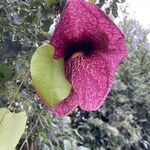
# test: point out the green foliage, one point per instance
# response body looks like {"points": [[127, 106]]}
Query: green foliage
{"points": [[111, 7], [5, 73], [23, 23], [12, 126], [114, 9], [50, 83], [50, 2]]}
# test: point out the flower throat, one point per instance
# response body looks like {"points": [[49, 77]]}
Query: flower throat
{"points": [[75, 49]]}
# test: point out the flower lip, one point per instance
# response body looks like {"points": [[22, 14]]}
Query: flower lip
{"points": [[83, 47]]}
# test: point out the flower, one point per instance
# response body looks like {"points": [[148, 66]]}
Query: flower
{"points": [[93, 47]]}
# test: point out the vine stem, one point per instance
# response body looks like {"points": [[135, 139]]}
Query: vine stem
{"points": [[15, 95], [36, 123], [32, 129]]}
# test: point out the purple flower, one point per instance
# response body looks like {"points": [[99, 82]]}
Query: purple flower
{"points": [[93, 47]]}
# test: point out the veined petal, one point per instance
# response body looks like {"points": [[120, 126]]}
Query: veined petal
{"points": [[97, 76], [91, 79], [91, 75], [67, 106], [82, 20], [114, 48]]}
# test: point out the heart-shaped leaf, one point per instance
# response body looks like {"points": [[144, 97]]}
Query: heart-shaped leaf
{"points": [[48, 76], [12, 126]]}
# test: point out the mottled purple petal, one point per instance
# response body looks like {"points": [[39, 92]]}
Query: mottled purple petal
{"points": [[98, 76], [91, 76], [67, 106], [82, 20]]}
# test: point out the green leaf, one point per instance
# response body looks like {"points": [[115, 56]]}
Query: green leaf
{"points": [[93, 1], [107, 10], [115, 10], [114, 13], [50, 2], [12, 126], [48, 76], [101, 3], [5, 73]]}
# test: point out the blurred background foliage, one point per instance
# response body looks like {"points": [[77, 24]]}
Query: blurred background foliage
{"points": [[122, 123]]}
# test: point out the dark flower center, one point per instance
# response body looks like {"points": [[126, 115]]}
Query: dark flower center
{"points": [[74, 49]]}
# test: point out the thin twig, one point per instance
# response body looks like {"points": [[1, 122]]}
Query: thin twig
{"points": [[36, 123]]}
